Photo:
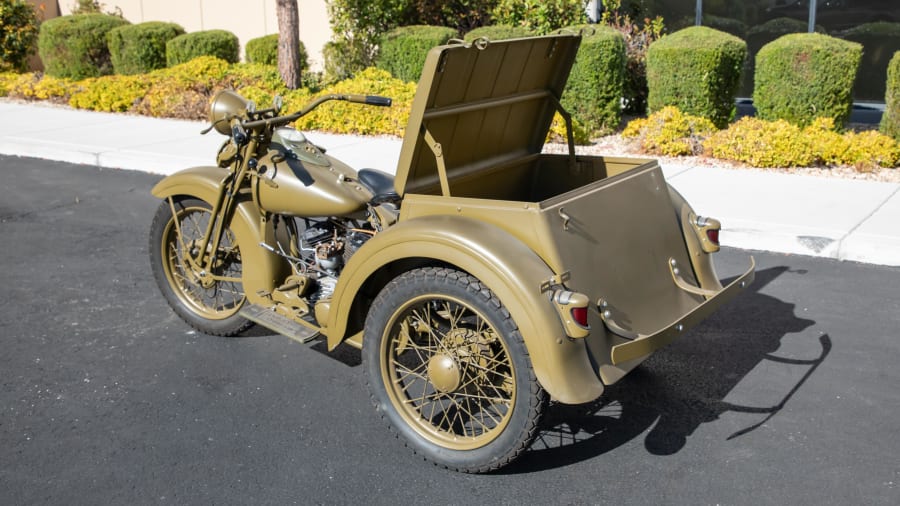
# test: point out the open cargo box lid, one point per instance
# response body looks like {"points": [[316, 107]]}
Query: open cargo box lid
{"points": [[482, 105]]}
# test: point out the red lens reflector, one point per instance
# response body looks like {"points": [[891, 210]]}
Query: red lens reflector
{"points": [[579, 314], [713, 236]]}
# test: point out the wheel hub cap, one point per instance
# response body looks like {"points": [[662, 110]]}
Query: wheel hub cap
{"points": [[444, 373]]}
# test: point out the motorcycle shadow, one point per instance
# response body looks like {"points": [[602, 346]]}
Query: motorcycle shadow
{"points": [[682, 386]]}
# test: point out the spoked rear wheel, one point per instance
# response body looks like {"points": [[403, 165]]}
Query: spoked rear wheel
{"points": [[450, 372], [208, 301]]}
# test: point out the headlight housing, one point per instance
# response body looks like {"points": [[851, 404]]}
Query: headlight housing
{"points": [[225, 106]]}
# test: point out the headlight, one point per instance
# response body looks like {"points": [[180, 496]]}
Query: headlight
{"points": [[225, 106]]}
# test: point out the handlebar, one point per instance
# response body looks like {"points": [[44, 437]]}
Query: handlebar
{"points": [[283, 120]]}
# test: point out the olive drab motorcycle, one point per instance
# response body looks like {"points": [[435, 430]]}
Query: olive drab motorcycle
{"points": [[483, 279]]}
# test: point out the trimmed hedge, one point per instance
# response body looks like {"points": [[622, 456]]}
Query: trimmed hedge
{"points": [[75, 46], [890, 120], [138, 49], [219, 43], [698, 70], [803, 76], [498, 32], [596, 85], [760, 35], [265, 50], [403, 50], [880, 41]]}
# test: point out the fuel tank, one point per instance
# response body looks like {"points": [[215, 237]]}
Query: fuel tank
{"points": [[296, 178]]}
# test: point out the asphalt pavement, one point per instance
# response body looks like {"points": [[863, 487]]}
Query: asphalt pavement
{"points": [[764, 210], [787, 395]]}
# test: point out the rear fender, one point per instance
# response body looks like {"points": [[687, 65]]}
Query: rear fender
{"points": [[504, 264], [263, 270]]}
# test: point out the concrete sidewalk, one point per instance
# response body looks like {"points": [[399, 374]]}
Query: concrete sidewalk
{"points": [[825, 217]]}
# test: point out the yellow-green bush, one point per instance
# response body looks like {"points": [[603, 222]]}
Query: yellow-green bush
{"points": [[37, 86], [871, 149], [344, 117], [557, 131], [110, 93], [265, 77], [670, 132], [762, 144], [778, 143]]}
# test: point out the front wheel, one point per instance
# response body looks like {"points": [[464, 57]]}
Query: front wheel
{"points": [[449, 371], [207, 301]]}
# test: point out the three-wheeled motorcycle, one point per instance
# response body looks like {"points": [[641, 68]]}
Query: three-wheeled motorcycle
{"points": [[482, 280]]}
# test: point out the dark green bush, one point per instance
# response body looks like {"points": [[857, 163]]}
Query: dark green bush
{"points": [[596, 85], [138, 49], [75, 46], [880, 41], [733, 26], [698, 70], [803, 76], [498, 32], [18, 33], [890, 121], [403, 49], [265, 50], [219, 43]]}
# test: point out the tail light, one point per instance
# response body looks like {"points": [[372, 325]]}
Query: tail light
{"points": [[579, 314], [707, 230], [573, 311]]}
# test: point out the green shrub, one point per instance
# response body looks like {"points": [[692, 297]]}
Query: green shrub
{"points": [[760, 35], [670, 132], [358, 25], [138, 49], [594, 92], [541, 16], [890, 120], [75, 46], [265, 50], [219, 43], [803, 76], [403, 49], [18, 34], [343, 58], [498, 32], [697, 70], [880, 41]]}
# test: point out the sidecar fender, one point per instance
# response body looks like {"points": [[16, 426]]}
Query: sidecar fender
{"points": [[500, 261], [262, 269]]}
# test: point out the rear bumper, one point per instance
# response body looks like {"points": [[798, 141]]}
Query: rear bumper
{"points": [[644, 344]]}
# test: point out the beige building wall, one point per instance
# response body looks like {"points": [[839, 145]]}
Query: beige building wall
{"points": [[247, 19]]}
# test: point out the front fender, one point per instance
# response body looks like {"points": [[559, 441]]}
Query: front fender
{"points": [[261, 268], [504, 264]]}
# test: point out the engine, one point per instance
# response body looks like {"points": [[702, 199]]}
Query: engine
{"points": [[318, 250]]}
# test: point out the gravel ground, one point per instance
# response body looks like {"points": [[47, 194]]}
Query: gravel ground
{"points": [[616, 145]]}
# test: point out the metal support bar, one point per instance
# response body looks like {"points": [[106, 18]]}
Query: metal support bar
{"points": [[438, 151]]}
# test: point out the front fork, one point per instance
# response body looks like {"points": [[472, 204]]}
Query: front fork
{"points": [[222, 208]]}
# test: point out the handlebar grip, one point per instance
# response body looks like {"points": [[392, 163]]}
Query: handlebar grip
{"points": [[370, 100]]}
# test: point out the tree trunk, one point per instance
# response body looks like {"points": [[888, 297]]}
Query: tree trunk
{"points": [[288, 42]]}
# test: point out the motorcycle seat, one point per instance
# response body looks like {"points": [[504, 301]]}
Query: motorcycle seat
{"points": [[380, 184]]}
